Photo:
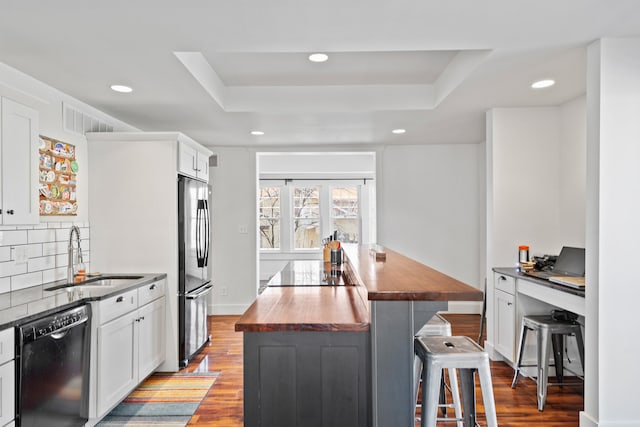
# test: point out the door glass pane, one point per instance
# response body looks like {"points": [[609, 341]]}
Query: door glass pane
{"points": [[269, 213], [306, 217], [345, 213]]}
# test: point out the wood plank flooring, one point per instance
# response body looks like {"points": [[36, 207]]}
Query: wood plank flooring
{"points": [[222, 407]]}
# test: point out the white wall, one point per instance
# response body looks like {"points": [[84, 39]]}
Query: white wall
{"points": [[612, 292], [233, 253], [48, 102], [536, 180], [47, 258], [429, 200], [573, 172], [525, 167]]}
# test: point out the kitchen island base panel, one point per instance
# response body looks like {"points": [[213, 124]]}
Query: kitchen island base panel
{"points": [[393, 326], [309, 379]]}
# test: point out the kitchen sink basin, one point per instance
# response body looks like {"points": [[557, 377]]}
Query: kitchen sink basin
{"points": [[99, 282]]}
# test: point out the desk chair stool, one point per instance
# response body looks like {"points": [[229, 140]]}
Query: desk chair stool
{"points": [[548, 329]]}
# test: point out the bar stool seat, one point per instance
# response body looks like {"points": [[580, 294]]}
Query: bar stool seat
{"points": [[438, 326], [463, 354], [548, 329]]}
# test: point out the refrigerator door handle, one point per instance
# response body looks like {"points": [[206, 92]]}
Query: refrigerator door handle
{"points": [[207, 233], [205, 289], [199, 248]]}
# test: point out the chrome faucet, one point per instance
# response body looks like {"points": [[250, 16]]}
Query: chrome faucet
{"points": [[70, 269]]}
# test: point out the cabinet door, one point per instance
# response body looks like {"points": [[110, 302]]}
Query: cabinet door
{"points": [[187, 160], [117, 360], [505, 319], [151, 336], [19, 139], [203, 167], [7, 392]]}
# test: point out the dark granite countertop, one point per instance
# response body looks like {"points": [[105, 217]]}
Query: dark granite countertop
{"points": [[23, 305], [514, 272]]}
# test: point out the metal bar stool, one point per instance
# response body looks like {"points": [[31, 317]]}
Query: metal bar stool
{"points": [[548, 329], [462, 353], [438, 326]]}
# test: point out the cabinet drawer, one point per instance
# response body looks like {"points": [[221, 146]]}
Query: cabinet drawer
{"points": [[118, 305], [505, 283], [150, 292], [7, 345]]}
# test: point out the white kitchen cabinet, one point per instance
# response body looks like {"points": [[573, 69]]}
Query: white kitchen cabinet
{"points": [[117, 360], [7, 376], [504, 316], [130, 342], [19, 171], [193, 162], [151, 337]]}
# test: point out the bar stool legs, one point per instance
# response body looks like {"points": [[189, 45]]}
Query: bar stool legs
{"points": [[549, 330], [463, 354]]}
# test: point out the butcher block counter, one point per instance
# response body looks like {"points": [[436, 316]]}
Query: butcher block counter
{"points": [[341, 355]]}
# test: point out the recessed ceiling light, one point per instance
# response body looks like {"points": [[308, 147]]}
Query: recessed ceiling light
{"points": [[121, 88], [541, 84], [398, 131], [318, 57], [257, 132]]}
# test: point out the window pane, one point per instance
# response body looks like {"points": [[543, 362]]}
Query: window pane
{"points": [[306, 217], [307, 234], [345, 214], [269, 212]]}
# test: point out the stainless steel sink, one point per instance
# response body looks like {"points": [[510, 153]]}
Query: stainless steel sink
{"points": [[99, 282]]}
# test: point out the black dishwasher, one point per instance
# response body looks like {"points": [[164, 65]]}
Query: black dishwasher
{"points": [[52, 384]]}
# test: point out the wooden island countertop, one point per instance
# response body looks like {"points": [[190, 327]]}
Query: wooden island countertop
{"points": [[347, 308]]}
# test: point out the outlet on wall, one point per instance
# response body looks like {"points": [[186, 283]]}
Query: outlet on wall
{"points": [[223, 292], [243, 229]]}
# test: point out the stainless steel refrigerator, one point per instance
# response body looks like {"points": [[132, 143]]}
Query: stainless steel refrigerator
{"points": [[194, 284]]}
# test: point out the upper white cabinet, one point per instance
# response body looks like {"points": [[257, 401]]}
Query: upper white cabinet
{"points": [[193, 162], [19, 174]]}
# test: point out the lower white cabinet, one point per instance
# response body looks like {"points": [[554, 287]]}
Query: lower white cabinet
{"points": [[129, 346], [504, 316], [7, 377]]}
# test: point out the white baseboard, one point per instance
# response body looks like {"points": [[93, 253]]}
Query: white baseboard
{"points": [[227, 309], [586, 420]]}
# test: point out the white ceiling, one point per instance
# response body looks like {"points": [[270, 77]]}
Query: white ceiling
{"points": [[215, 70]]}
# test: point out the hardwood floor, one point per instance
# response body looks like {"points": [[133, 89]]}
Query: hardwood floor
{"points": [[222, 407]]}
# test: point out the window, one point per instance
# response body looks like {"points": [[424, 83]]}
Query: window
{"points": [[345, 216], [296, 216], [269, 213], [306, 217]]}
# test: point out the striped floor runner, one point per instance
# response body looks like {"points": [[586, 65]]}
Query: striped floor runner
{"points": [[163, 399]]}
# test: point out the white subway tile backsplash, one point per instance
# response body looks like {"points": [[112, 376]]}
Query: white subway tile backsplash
{"points": [[34, 251], [45, 246], [5, 285], [5, 253], [10, 268], [54, 274], [14, 237], [23, 281], [12, 313], [42, 236], [41, 263], [54, 248]]}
